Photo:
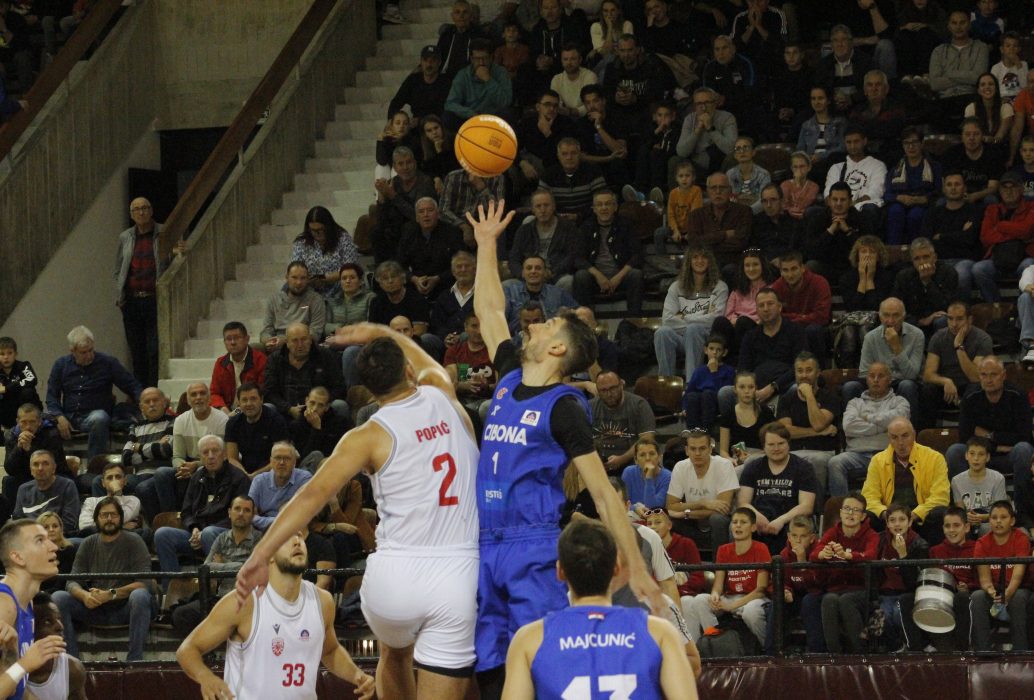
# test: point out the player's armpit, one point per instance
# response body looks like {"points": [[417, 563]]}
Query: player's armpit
{"points": [[213, 631], [76, 679], [525, 645], [677, 679]]}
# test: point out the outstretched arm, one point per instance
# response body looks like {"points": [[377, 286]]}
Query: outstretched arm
{"points": [[489, 303], [213, 631]]}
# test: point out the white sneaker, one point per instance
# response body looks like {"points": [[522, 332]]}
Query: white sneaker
{"points": [[1029, 357], [392, 15]]}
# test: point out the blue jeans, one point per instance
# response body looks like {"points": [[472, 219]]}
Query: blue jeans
{"points": [[845, 467], [985, 276], [1025, 310], [903, 222], [171, 542], [96, 425], [692, 339], [136, 612]]}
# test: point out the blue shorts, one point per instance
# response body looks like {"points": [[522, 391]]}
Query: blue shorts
{"points": [[517, 584]]}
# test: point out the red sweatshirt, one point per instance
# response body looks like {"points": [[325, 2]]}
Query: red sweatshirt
{"points": [[841, 576], [801, 581], [1019, 226], [963, 574], [809, 302], [683, 550]]}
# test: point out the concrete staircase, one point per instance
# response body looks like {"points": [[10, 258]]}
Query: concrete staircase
{"points": [[339, 177]]}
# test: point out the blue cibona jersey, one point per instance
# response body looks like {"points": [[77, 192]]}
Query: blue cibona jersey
{"points": [[597, 653], [521, 469], [24, 624]]}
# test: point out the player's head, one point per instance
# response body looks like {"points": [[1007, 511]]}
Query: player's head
{"points": [[564, 340], [382, 366], [586, 558], [47, 616], [24, 546], [292, 558]]}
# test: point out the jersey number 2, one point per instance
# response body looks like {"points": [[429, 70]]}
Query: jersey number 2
{"points": [[445, 461], [620, 687], [295, 675]]}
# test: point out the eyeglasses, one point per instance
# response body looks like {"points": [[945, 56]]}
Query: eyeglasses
{"points": [[852, 511]]}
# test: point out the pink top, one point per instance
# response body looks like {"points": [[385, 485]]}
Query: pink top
{"points": [[740, 304], [797, 199]]}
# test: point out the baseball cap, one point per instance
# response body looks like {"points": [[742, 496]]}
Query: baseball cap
{"points": [[1010, 176], [428, 51]]}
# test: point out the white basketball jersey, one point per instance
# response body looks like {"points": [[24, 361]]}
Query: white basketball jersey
{"points": [[281, 657], [425, 491], [56, 686]]}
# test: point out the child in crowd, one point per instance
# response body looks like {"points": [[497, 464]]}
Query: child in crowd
{"points": [[985, 24], [738, 432], [800, 585], [747, 178], [1025, 169], [512, 53], [700, 400], [646, 481], [739, 592], [1000, 594], [898, 541], [686, 197], [1011, 71], [651, 165], [978, 487], [850, 540], [17, 383], [799, 192], [682, 550]]}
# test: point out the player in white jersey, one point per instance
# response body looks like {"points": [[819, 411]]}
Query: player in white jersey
{"points": [[274, 644], [63, 677], [420, 588]]}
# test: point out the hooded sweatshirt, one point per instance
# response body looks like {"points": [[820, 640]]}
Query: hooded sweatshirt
{"points": [[841, 576]]}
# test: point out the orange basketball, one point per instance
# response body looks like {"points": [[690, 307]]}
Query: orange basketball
{"points": [[485, 145]]}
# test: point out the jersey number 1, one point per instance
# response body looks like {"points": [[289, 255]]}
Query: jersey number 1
{"points": [[620, 687], [445, 461]]}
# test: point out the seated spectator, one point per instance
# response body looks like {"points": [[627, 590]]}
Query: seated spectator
{"points": [[425, 89], [842, 606], [732, 76], [190, 426], [66, 549], [530, 313], [31, 433], [683, 199], [568, 83], [206, 506], [609, 258], [106, 601], [607, 355], [911, 187], [773, 230], [482, 87], [810, 413], [324, 246], [898, 541], [1025, 307], [604, 137], [865, 175], [806, 299], [513, 53], [252, 431], [296, 368], [427, 247], [911, 474], [977, 488], [397, 199], [655, 151], [741, 311], [981, 167], [454, 40], [747, 179], [708, 133], [48, 491], [869, 23], [954, 67], [538, 135], [822, 135], [1000, 584], [899, 346], [646, 480], [921, 27], [345, 520], [1023, 106], [954, 228], [463, 193], [619, 419], [353, 306], [700, 400], [79, 390], [437, 156], [738, 434], [879, 117], [927, 287], [241, 363], [1007, 233], [453, 305], [681, 550], [777, 486], [722, 224], [228, 553], [316, 432], [668, 39], [605, 33], [572, 182], [995, 114], [760, 33], [549, 237], [863, 287], [844, 69], [985, 22], [275, 486], [113, 479], [469, 365], [789, 90], [701, 492], [1001, 413], [634, 82], [554, 30], [534, 287], [738, 592], [148, 448], [1026, 168], [830, 230], [692, 304], [295, 303], [952, 360], [1011, 71], [801, 583], [768, 351], [17, 383]]}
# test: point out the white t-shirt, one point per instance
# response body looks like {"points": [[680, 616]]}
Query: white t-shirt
{"points": [[1011, 81], [187, 430], [688, 487]]}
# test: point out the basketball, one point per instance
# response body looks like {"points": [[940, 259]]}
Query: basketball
{"points": [[485, 145]]}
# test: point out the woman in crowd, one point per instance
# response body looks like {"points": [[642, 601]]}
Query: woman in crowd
{"points": [[605, 34], [324, 247], [823, 134], [995, 114], [66, 550], [437, 154], [353, 306], [741, 312], [799, 192], [397, 132], [863, 286], [738, 437]]}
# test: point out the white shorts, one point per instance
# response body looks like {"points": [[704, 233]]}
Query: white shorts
{"points": [[427, 601]]}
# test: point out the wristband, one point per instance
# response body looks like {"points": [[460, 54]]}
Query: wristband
{"points": [[15, 672]]}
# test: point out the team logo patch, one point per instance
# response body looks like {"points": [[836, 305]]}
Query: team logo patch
{"points": [[304, 635], [531, 418], [278, 646], [501, 393]]}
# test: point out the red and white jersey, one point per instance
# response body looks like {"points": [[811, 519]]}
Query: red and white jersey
{"points": [[281, 657], [425, 491]]}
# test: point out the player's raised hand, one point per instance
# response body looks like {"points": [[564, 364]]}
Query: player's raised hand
{"points": [[254, 575], [214, 688], [42, 651], [488, 226], [364, 686], [647, 591]]}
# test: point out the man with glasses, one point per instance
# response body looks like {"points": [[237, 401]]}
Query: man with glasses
{"points": [[539, 134], [912, 186], [483, 87], [708, 134], [722, 224], [927, 287], [619, 419], [701, 492]]}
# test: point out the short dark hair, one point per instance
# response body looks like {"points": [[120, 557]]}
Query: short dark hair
{"points": [[857, 496], [840, 186], [235, 326], [977, 441], [249, 386], [793, 255], [549, 92], [355, 267], [1004, 503], [590, 89], [747, 513], [113, 465], [855, 129], [975, 122], [587, 555], [43, 601], [582, 349], [297, 263], [9, 535], [776, 428], [7, 343], [806, 356], [381, 365], [108, 501], [571, 46], [958, 512], [481, 45], [897, 508]]}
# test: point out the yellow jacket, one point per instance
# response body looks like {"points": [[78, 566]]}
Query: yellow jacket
{"points": [[929, 472]]}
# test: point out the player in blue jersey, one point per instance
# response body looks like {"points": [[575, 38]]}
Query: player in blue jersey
{"points": [[29, 559], [591, 649], [536, 425]]}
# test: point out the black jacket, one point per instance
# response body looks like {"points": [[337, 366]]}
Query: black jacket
{"points": [[209, 496], [622, 241], [286, 386]]}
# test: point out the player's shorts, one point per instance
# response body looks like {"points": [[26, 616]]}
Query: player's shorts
{"points": [[517, 585], [426, 601]]}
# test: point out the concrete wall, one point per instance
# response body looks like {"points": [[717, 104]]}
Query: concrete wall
{"points": [[210, 55], [76, 286]]}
